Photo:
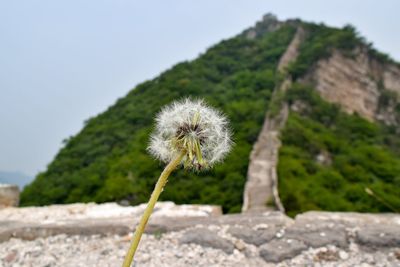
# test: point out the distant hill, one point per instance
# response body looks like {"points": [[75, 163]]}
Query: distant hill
{"points": [[339, 132], [16, 178]]}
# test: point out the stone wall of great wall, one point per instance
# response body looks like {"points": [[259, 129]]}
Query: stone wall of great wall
{"points": [[195, 235]]}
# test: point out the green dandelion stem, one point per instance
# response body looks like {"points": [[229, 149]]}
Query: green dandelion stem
{"points": [[150, 206]]}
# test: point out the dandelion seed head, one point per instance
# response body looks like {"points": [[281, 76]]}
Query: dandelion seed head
{"points": [[191, 126]]}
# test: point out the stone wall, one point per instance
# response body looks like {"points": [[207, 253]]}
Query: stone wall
{"points": [[99, 235], [261, 188]]}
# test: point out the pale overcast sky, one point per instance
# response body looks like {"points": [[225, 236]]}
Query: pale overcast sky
{"points": [[62, 62]]}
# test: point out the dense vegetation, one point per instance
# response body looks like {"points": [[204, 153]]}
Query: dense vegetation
{"points": [[107, 160], [327, 160], [354, 154]]}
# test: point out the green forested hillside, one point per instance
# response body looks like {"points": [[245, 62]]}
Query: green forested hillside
{"points": [[107, 160], [354, 155]]}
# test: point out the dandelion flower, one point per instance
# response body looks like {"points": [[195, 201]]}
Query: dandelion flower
{"points": [[189, 133], [194, 127]]}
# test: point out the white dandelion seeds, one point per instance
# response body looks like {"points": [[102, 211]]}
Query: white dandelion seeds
{"points": [[189, 133], [191, 126]]}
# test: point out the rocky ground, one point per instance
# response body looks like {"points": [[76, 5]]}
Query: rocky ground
{"points": [[196, 236]]}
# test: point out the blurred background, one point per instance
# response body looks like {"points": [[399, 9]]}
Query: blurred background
{"points": [[63, 62]]}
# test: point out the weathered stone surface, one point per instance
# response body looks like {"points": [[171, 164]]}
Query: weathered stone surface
{"points": [[345, 219], [9, 195], [54, 213], [95, 219], [379, 236], [95, 237], [275, 218], [82, 228], [372, 230], [319, 237], [251, 236], [280, 249], [207, 238], [29, 226]]}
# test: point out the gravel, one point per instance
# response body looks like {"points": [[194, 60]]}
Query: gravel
{"points": [[166, 250]]}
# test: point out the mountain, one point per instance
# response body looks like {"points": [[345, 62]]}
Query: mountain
{"points": [[315, 114], [16, 178]]}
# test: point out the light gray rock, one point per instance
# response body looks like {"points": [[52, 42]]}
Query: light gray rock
{"points": [[281, 249], [346, 219], [319, 237], [9, 195], [379, 236], [250, 236], [89, 227], [167, 224], [206, 238]]}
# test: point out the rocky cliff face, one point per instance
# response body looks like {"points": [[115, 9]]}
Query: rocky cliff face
{"points": [[357, 84]]}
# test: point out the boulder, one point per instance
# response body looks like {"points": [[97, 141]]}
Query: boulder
{"points": [[9, 195], [250, 236], [281, 249], [319, 237], [379, 236], [207, 238]]}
